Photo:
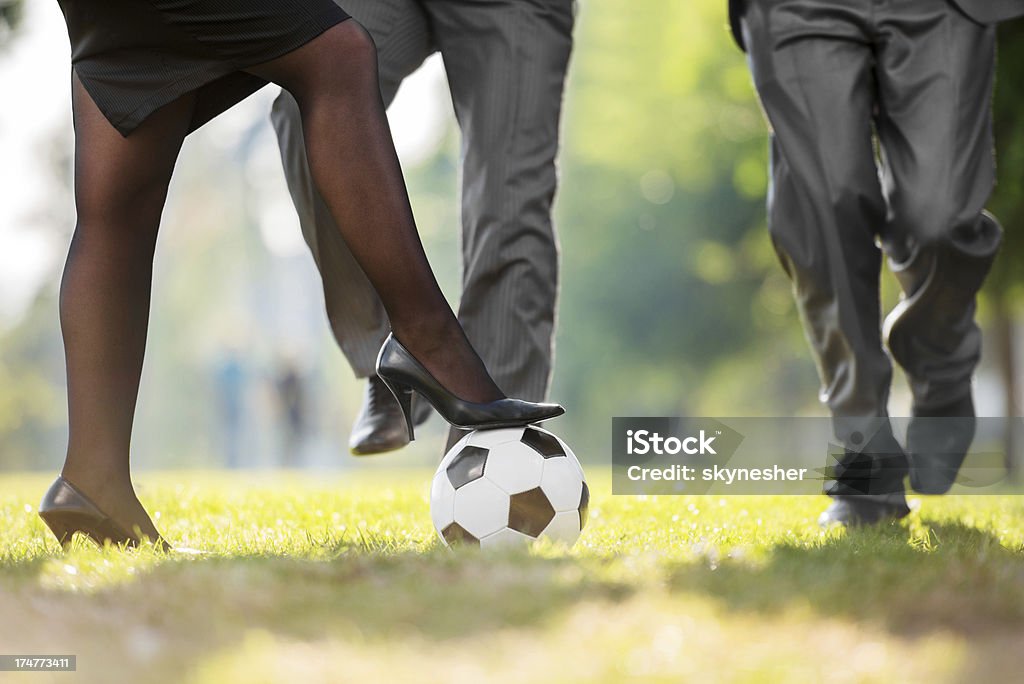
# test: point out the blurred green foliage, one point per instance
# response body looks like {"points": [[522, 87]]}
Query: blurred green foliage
{"points": [[1008, 199], [671, 293], [32, 412]]}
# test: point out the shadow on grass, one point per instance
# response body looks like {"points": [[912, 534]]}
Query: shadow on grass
{"points": [[211, 603], [433, 595], [938, 577], [909, 581]]}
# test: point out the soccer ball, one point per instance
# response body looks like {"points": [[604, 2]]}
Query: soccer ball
{"points": [[509, 487]]}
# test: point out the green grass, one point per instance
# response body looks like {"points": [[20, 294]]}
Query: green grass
{"points": [[338, 578]]}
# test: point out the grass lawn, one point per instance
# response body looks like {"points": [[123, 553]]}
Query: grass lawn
{"points": [[338, 578]]}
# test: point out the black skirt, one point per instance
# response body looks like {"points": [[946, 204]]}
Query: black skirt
{"points": [[135, 56]]}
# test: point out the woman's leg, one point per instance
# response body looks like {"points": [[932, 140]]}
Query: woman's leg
{"points": [[120, 188], [353, 161]]}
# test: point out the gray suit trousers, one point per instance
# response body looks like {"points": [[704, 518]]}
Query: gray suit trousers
{"points": [[506, 62], [915, 76]]}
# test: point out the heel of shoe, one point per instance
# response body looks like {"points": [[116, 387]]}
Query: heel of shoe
{"points": [[404, 397], [65, 525], [61, 530]]}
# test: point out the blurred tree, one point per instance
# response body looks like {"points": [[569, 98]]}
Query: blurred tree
{"points": [[1006, 285], [11, 12], [32, 419], [672, 300]]}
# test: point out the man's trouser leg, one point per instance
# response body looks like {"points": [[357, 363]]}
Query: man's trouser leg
{"points": [[506, 62], [813, 69], [935, 77], [358, 321], [935, 72]]}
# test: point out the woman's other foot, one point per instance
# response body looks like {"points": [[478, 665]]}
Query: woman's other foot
{"points": [[103, 511]]}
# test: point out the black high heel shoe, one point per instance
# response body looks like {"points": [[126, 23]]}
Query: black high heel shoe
{"points": [[403, 375], [65, 510]]}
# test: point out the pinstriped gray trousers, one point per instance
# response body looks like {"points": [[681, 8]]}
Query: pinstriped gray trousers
{"points": [[506, 62], [834, 77]]}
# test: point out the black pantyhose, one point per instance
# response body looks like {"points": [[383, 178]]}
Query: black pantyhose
{"points": [[120, 189]]}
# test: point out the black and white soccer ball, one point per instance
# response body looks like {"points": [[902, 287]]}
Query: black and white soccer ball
{"points": [[509, 487]]}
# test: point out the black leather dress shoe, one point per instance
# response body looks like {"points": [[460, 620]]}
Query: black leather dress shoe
{"points": [[859, 510], [380, 426], [877, 468]]}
